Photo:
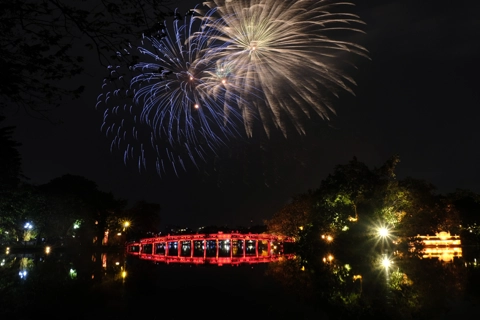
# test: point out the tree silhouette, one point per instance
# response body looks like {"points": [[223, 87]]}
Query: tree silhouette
{"points": [[43, 42], [10, 159]]}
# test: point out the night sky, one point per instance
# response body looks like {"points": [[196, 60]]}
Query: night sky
{"points": [[417, 97]]}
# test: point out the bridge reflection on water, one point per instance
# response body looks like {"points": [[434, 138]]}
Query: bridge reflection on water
{"points": [[218, 248]]}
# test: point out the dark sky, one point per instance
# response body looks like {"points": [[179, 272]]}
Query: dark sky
{"points": [[417, 97]]}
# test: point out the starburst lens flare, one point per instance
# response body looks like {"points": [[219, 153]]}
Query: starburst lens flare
{"points": [[383, 232], [290, 50], [386, 262]]}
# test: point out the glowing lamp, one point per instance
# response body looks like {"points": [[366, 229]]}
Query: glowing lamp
{"points": [[383, 232], [386, 262]]}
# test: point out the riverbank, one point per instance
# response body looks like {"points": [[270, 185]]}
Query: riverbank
{"points": [[20, 248]]}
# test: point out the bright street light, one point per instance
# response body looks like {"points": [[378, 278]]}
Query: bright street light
{"points": [[386, 262], [383, 232], [327, 238]]}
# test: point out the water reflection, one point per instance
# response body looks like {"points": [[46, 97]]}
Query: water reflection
{"points": [[321, 283], [400, 286]]}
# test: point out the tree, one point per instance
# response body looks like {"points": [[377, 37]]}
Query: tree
{"points": [[467, 204], [39, 44], [23, 204], [145, 219], [12, 203], [76, 202], [343, 194], [427, 212], [10, 159], [293, 218]]}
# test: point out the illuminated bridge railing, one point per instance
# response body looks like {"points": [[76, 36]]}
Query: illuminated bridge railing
{"points": [[219, 248]]}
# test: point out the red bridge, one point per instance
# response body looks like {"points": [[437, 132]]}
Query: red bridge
{"points": [[219, 248]]}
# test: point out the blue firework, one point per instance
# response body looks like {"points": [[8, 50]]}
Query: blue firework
{"points": [[171, 94]]}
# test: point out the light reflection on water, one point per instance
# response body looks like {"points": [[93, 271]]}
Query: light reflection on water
{"points": [[98, 285]]}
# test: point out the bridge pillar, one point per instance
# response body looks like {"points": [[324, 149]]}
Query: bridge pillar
{"points": [[179, 248], [216, 243], [256, 248], [166, 248], [231, 248], [269, 246], [191, 248], [244, 247], [204, 248]]}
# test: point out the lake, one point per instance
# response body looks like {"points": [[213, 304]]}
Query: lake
{"points": [[317, 285]]}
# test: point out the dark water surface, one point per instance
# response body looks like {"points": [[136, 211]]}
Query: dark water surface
{"points": [[96, 285]]}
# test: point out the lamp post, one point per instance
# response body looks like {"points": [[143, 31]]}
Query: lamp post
{"points": [[126, 224], [27, 227], [384, 235]]}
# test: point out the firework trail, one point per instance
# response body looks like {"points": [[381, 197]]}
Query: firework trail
{"points": [[288, 50], [176, 101]]}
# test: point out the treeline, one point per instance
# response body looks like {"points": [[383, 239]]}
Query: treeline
{"points": [[67, 210], [356, 199]]}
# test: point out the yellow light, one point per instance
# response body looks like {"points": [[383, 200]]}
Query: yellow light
{"points": [[224, 81], [301, 227], [329, 238], [330, 257], [357, 276], [47, 250], [117, 263], [119, 234], [383, 232], [303, 268], [124, 274], [126, 224], [196, 106], [386, 262]]}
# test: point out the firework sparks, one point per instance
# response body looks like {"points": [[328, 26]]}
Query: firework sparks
{"points": [[288, 50], [256, 62], [177, 98]]}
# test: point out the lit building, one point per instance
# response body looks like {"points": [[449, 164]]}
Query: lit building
{"points": [[443, 246]]}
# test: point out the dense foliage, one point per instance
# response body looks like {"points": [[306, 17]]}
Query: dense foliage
{"points": [[355, 197], [69, 210], [44, 42]]}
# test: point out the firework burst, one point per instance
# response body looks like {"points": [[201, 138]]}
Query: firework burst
{"points": [[288, 50], [189, 88], [177, 98]]}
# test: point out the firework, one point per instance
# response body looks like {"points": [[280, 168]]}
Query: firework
{"points": [[171, 99], [290, 50], [190, 88]]}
